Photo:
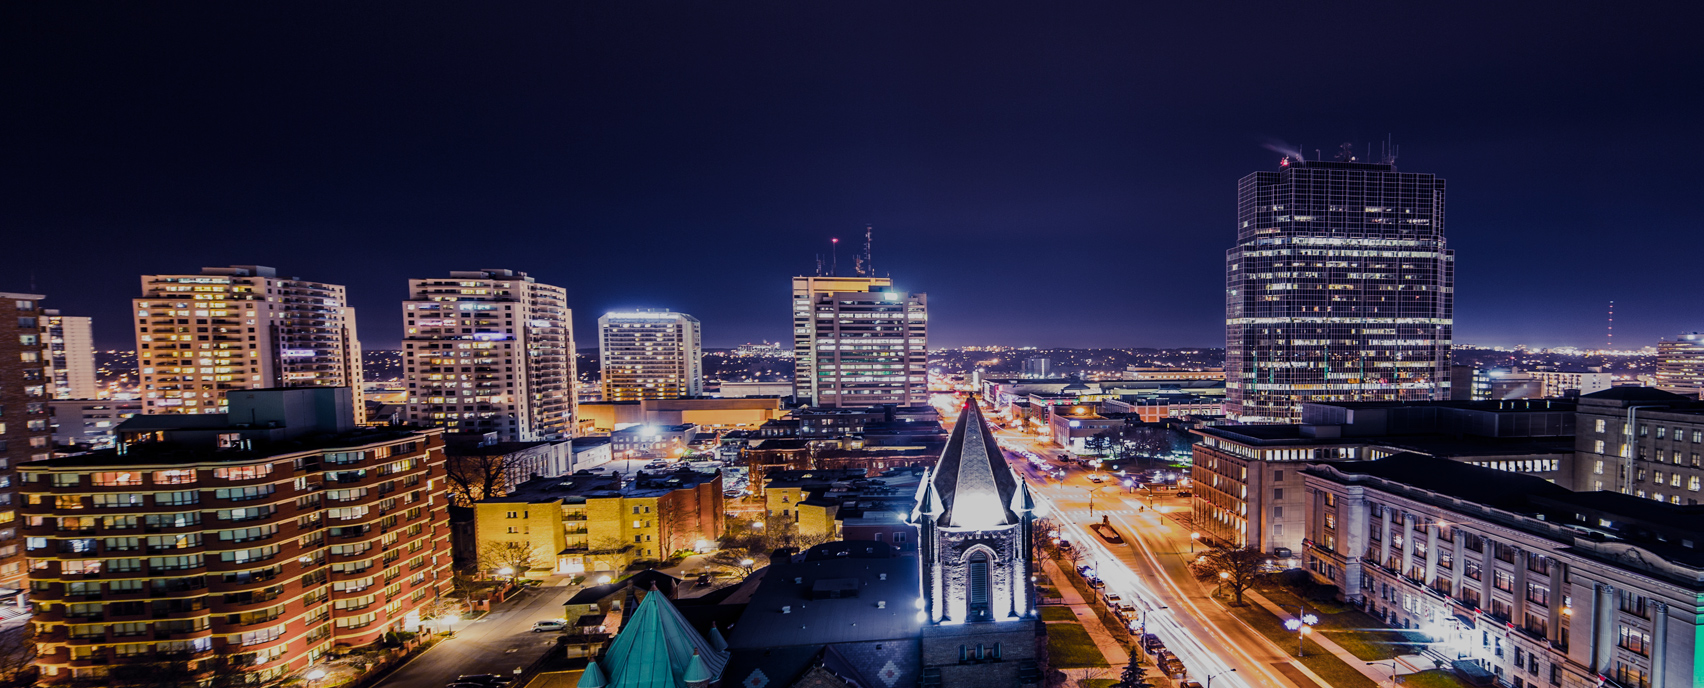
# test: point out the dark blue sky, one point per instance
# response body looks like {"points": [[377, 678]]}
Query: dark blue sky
{"points": [[1050, 173]]}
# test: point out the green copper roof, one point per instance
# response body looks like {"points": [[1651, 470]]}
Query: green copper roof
{"points": [[593, 677], [656, 647]]}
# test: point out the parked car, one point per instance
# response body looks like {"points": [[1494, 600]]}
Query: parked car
{"points": [[1184, 493], [1112, 599], [549, 626], [1096, 478]]}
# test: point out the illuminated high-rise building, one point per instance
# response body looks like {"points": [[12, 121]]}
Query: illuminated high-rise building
{"points": [[71, 352], [650, 354], [490, 351], [26, 427], [1340, 288], [1680, 364], [859, 342], [199, 336]]}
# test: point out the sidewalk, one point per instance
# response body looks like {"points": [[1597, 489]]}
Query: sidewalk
{"points": [[1109, 647]]}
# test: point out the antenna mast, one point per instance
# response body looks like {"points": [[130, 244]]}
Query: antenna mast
{"points": [[834, 258], [1609, 336]]}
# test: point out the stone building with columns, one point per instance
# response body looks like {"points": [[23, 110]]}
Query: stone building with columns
{"points": [[1536, 584]]}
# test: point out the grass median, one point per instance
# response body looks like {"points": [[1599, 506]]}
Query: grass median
{"points": [[1070, 647], [1314, 657], [1362, 634]]}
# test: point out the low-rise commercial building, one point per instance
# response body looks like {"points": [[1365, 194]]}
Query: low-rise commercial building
{"points": [[268, 536], [1533, 583], [652, 441], [588, 522], [715, 414], [90, 423]]}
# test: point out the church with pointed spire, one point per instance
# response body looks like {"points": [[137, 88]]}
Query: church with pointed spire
{"points": [[974, 520]]}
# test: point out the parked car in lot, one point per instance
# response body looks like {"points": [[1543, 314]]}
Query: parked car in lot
{"points": [[549, 626]]}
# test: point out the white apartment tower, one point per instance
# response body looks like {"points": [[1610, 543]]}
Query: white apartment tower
{"points": [[199, 336], [490, 351], [857, 342], [650, 354], [71, 353]]}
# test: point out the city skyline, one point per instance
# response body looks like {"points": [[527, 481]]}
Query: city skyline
{"points": [[1124, 170]]}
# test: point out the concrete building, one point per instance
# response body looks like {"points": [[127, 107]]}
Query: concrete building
{"points": [[1340, 288], [650, 354], [200, 336], [90, 423], [271, 535], [26, 433], [1514, 579], [1641, 441], [490, 351], [584, 522], [1680, 364], [1469, 383], [1246, 479], [859, 342], [71, 350]]}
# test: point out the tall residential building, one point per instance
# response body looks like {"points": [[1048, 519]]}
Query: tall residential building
{"points": [[201, 336], [71, 354], [650, 354], [490, 351], [1680, 364], [237, 537], [26, 433], [858, 342], [1340, 288]]}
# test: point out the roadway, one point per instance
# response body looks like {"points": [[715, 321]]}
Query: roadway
{"points": [[496, 643], [1151, 570]]}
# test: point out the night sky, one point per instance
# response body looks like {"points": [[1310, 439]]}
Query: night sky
{"points": [[1050, 173]]}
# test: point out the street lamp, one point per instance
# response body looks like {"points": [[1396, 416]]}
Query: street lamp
{"points": [[1192, 538], [603, 579], [1223, 576], [449, 621], [314, 675], [1210, 677], [1301, 627], [1393, 678]]}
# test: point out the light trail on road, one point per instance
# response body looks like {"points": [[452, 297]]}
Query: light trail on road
{"points": [[1119, 578]]}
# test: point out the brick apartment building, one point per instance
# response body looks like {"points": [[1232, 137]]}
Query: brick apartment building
{"points": [[258, 539]]}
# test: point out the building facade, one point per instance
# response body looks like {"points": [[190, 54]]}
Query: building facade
{"points": [[71, 350], [1641, 441], [650, 354], [1532, 583], [490, 351], [26, 432], [228, 543], [858, 342], [201, 336], [1680, 364], [1340, 288]]}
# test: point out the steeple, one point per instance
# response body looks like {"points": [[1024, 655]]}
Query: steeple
{"points": [[974, 486], [657, 648]]}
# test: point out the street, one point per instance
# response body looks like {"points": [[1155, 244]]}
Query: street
{"points": [[1151, 570], [496, 643]]}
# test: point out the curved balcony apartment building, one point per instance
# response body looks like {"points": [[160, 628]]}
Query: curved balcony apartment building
{"points": [[247, 545], [1340, 288]]}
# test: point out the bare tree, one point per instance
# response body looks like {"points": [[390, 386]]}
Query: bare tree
{"points": [[1237, 569], [739, 559], [518, 556], [17, 656], [1085, 677], [473, 478]]}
